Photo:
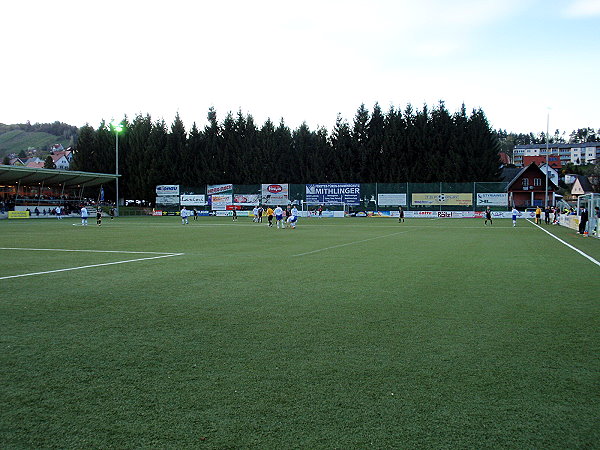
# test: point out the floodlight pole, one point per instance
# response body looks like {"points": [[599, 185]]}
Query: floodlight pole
{"points": [[118, 128], [547, 137], [117, 166]]}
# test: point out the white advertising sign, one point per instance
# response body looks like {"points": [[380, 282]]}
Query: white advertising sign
{"points": [[167, 189], [275, 194], [219, 188], [391, 199], [246, 199], [220, 202], [167, 200], [193, 200], [487, 199]]}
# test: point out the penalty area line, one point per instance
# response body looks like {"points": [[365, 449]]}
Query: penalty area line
{"points": [[349, 243], [566, 243], [90, 266], [85, 251]]}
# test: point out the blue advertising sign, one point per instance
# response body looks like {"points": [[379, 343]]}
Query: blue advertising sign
{"points": [[333, 193]]}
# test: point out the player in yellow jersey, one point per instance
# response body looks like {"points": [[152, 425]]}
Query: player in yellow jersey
{"points": [[270, 216]]}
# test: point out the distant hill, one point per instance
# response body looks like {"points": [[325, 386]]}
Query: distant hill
{"points": [[26, 137]]}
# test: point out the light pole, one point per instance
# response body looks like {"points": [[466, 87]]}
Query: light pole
{"points": [[117, 127], [547, 137]]}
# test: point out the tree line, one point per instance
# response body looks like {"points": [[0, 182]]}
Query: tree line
{"points": [[416, 145]]}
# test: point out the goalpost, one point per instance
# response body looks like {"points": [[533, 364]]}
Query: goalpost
{"points": [[332, 209]]}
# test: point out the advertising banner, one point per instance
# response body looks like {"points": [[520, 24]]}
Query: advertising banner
{"points": [[220, 202], [275, 194], [157, 212], [498, 199], [167, 200], [435, 199], [167, 189], [391, 199], [18, 214], [193, 200], [333, 193], [246, 199], [219, 189]]}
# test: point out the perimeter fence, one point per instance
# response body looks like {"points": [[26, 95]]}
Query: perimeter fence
{"points": [[355, 197]]}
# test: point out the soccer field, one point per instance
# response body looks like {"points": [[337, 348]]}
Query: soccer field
{"points": [[343, 333]]}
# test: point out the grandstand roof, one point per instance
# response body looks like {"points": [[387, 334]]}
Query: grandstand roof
{"points": [[27, 176]]}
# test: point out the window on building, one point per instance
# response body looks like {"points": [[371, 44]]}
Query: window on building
{"points": [[525, 182], [537, 181]]}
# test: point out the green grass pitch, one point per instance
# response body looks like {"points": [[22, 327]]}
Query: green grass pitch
{"points": [[343, 333]]}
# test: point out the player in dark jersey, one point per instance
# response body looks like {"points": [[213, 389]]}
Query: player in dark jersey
{"points": [[99, 216], [488, 216]]}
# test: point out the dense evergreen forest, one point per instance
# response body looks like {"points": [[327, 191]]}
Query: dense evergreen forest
{"points": [[417, 145]]}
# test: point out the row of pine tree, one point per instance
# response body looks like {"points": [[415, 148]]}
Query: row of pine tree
{"points": [[416, 145]]}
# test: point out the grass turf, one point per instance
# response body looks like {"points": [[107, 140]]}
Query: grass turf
{"points": [[431, 333]]}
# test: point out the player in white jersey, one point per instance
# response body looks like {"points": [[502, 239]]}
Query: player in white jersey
{"points": [[184, 216], [255, 214], [84, 215], [515, 213], [293, 219], [279, 216]]}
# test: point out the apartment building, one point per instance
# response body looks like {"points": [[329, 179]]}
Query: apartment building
{"points": [[585, 153]]}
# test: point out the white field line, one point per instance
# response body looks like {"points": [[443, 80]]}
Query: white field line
{"points": [[349, 243], [85, 251], [162, 255], [567, 244]]}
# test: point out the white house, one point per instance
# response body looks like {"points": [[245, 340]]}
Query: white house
{"points": [[61, 161], [552, 173]]}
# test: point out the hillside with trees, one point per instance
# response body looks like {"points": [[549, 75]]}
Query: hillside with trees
{"points": [[23, 138]]}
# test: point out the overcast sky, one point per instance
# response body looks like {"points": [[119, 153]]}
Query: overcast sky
{"points": [[80, 62]]}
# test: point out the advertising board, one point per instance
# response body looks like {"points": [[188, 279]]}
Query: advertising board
{"points": [[333, 193], [193, 200], [219, 189], [246, 199], [441, 199], [275, 194], [492, 199], [167, 200], [391, 199], [167, 189], [220, 202], [18, 214]]}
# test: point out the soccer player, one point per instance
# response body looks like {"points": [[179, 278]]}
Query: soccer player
{"points": [[488, 216], [293, 219], [255, 214], [538, 215], [260, 214], [99, 216], [184, 216], [270, 216], [515, 213], [279, 216], [400, 214], [111, 212], [84, 216], [58, 212], [234, 215]]}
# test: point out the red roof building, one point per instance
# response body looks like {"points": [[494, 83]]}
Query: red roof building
{"points": [[553, 161], [527, 187]]}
